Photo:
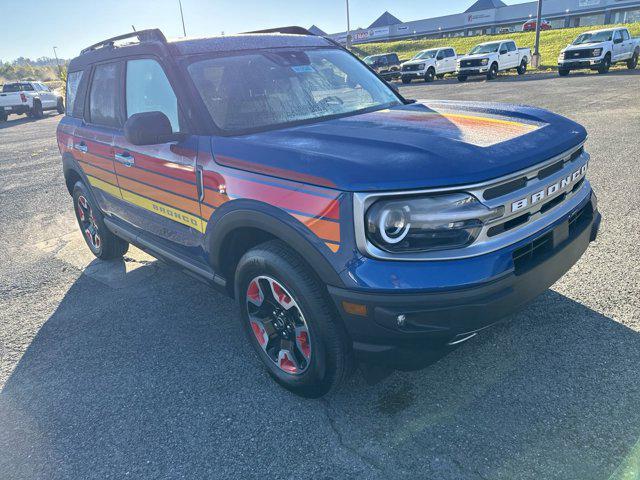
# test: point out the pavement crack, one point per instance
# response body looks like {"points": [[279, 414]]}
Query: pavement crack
{"points": [[331, 416]]}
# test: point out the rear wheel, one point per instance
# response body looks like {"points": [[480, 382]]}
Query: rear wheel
{"points": [[290, 322], [462, 78], [406, 80], [36, 110], [522, 69], [632, 63], [563, 72], [430, 75], [493, 71], [606, 64], [60, 106], [102, 243]]}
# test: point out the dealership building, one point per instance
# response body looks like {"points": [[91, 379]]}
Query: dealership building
{"points": [[486, 17]]}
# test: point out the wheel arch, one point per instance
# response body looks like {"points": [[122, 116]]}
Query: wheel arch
{"points": [[72, 172], [243, 224]]}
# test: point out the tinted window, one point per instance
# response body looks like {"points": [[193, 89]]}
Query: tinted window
{"points": [[104, 96], [450, 52], [625, 34], [511, 46], [149, 90], [617, 35], [73, 81], [393, 58]]}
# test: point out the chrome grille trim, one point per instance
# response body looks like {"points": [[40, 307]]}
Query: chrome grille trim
{"points": [[484, 244]]}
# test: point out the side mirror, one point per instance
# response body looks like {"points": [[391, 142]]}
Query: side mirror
{"points": [[503, 51], [440, 56], [150, 128], [617, 40]]}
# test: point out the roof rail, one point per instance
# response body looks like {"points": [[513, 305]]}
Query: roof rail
{"points": [[153, 34], [291, 30]]}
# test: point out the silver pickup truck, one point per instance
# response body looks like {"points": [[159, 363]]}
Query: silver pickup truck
{"points": [[30, 98]]}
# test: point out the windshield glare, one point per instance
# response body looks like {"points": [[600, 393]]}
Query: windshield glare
{"points": [[261, 90], [426, 54], [487, 48], [594, 37]]}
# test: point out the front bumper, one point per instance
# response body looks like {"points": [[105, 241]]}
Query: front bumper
{"points": [[483, 70], [441, 319], [592, 63], [413, 74]]}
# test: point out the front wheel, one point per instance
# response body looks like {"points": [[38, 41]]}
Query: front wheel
{"points": [[3, 117], [406, 80], [493, 72], [563, 72], [632, 63], [290, 322], [606, 65], [522, 69], [430, 75], [102, 243], [462, 78]]}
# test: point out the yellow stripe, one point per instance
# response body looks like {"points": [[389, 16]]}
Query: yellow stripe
{"points": [[151, 205], [165, 210], [102, 185], [483, 119]]}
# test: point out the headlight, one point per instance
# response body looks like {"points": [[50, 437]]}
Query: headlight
{"points": [[422, 224], [485, 61], [597, 52], [561, 56], [421, 66]]}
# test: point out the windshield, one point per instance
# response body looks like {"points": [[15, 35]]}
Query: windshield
{"points": [[426, 54], [275, 88], [486, 48], [594, 37], [16, 87]]}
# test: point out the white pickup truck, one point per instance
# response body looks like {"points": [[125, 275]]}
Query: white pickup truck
{"points": [[492, 57], [429, 64], [598, 50], [32, 98]]}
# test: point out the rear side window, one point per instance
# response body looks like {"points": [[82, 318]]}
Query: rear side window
{"points": [[73, 81], [104, 95], [149, 90]]}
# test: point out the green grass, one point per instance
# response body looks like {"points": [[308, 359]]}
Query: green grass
{"points": [[551, 42]]}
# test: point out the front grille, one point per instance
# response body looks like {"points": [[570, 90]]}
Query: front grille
{"points": [[570, 55], [470, 63], [410, 68]]}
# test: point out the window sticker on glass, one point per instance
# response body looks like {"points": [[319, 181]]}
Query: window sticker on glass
{"points": [[302, 69]]}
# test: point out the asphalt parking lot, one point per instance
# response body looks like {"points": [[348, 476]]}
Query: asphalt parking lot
{"points": [[132, 369]]}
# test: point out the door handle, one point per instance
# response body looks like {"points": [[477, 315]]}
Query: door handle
{"points": [[125, 158], [82, 147]]}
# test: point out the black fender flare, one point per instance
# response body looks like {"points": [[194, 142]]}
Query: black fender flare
{"points": [[69, 164], [243, 213]]}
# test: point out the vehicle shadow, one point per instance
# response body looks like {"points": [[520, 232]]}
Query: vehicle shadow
{"points": [[16, 120], [149, 375]]}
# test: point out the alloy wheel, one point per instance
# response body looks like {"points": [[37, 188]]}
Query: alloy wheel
{"points": [[278, 325], [88, 223]]}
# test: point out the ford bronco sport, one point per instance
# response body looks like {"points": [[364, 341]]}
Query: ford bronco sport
{"points": [[348, 222]]}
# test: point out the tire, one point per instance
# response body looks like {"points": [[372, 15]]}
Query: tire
{"points": [[493, 71], [406, 80], [606, 65], [3, 117], [430, 75], [102, 243], [272, 269], [563, 73], [522, 69], [632, 63], [440, 76], [36, 111], [60, 106], [462, 78]]}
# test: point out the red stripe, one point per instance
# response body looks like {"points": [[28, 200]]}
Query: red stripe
{"points": [[159, 181]]}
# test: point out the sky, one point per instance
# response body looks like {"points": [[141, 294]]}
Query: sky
{"points": [[72, 25]]}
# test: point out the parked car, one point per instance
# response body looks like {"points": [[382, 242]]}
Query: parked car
{"points": [[492, 57], [429, 64], [530, 26], [598, 50], [386, 65], [349, 223], [31, 98]]}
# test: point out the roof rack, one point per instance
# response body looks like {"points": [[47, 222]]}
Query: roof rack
{"points": [[153, 34], [291, 30]]}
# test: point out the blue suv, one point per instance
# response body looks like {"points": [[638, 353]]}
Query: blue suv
{"points": [[348, 222]]}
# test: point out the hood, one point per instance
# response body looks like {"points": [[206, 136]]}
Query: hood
{"points": [[421, 145], [416, 62], [476, 56], [585, 46]]}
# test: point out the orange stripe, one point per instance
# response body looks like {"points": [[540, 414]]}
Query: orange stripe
{"points": [[334, 248], [322, 228], [101, 174], [97, 161], [159, 195], [214, 198], [157, 180], [207, 211]]}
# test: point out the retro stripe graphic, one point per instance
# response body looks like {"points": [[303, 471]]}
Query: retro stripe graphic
{"points": [[167, 190]]}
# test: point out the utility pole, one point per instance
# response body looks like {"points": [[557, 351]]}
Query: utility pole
{"points": [[184, 30], [536, 51], [348, 28], [55, 54]]}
